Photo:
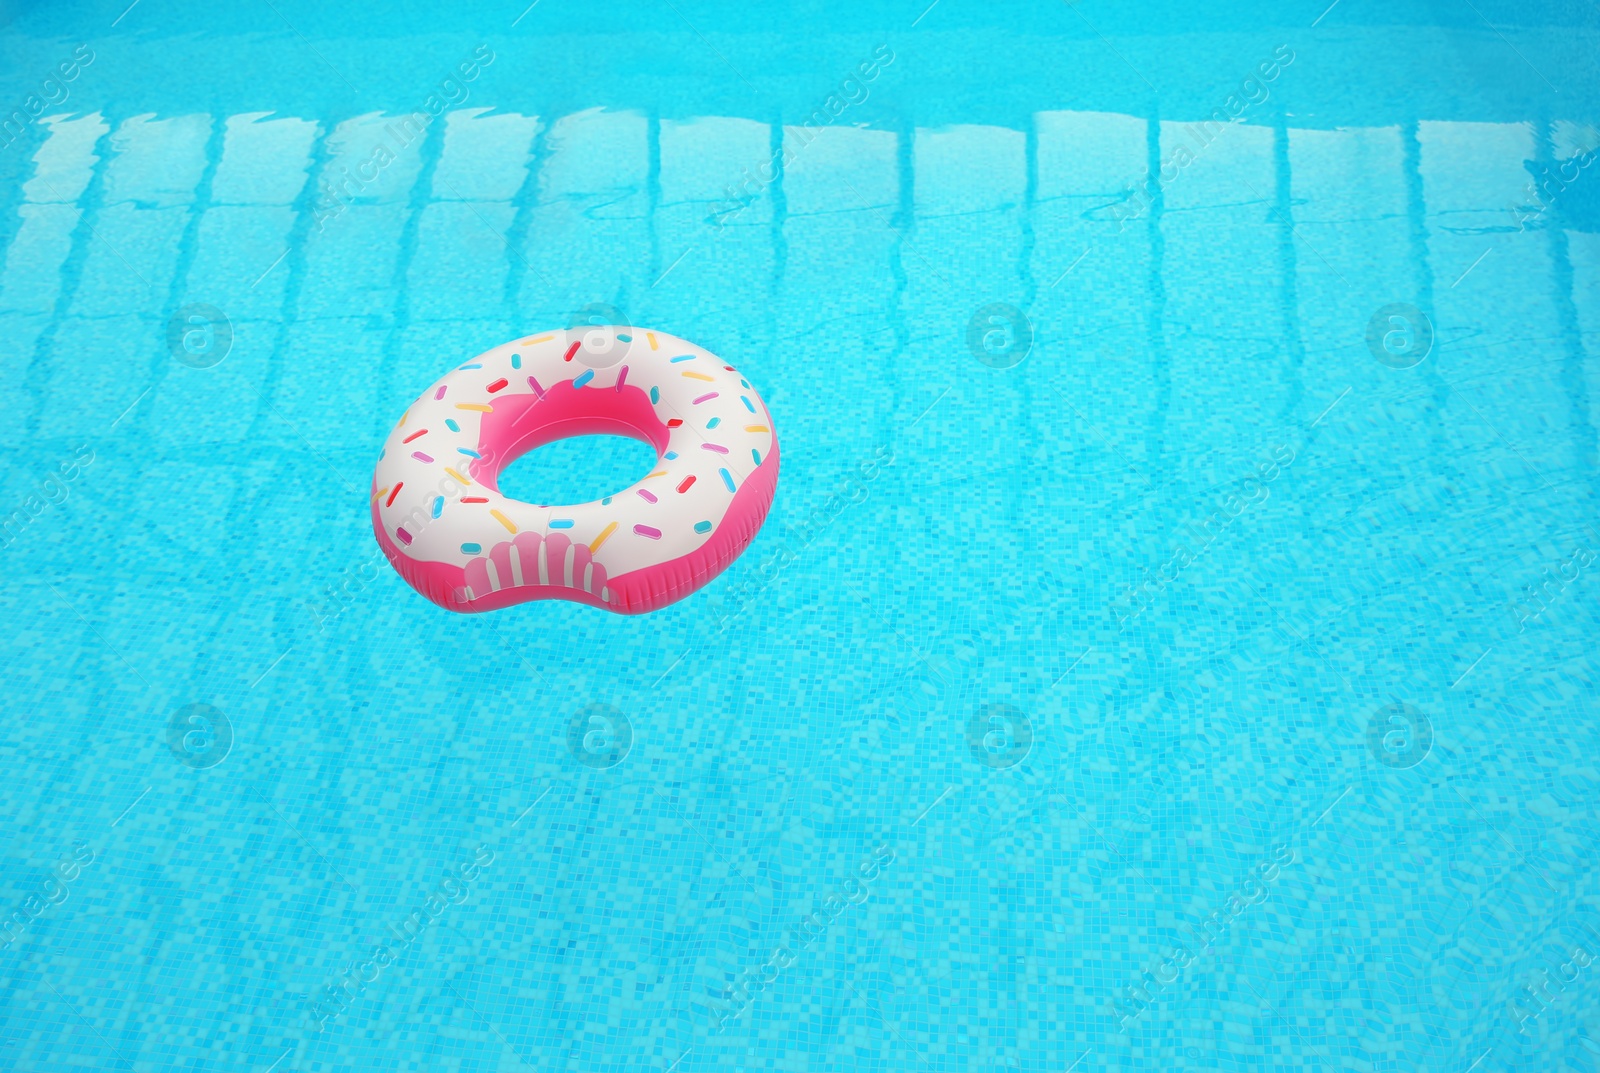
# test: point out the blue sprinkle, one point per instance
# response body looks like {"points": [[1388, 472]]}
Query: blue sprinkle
{"points": [[655, 395], [561, 523], [469, 451], [714, 422], [450, 423], [747, 405], [743, 382], [471, 549], [624, 338], [702, 527], [474, 365], [727, 479], [516, 361], [682, 357], [382, 453], [670, 455], [755, 454], [606, 502], [438, 506], [586, 376]]}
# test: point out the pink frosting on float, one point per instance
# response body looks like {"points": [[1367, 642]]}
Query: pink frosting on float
{"points": [[636, 592]]}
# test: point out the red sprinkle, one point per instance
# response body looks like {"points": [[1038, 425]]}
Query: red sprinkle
{"points": [[687, 481], [571, 350], [473, 499], [675, 422], [390, 501], [414, 435], [496, 386]]}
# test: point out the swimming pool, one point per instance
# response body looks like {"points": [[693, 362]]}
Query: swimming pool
{"points": [[1165, 649]]}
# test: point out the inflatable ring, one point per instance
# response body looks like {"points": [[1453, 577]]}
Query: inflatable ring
{"points": [[445, 527]]}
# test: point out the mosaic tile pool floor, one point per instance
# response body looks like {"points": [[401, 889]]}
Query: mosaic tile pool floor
{"points": [[1166, 649]]}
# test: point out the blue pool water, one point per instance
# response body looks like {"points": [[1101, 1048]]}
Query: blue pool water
{"points": [[1166, 650]]}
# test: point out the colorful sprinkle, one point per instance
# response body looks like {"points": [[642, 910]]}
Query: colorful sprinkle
{"points": [[503, 520], [757, 428], [450, 423], [405, 537], [648, 531], [380, 493], [743, 382], [541, 339], [681, 357], [469, 451], [622, 377], [471, 549], [420, 457], [390, 501], [571, 350], [438, 506], [727, 479], [601, 539], [755, 454], [474, 365], [655, 395], [497, 385], [657, 473], [561, 523], [478, 406], [685, 484], [403, 419], [674, 422], [728, 367], [586, 376], [647, 495], [705, 398], [537, 390], [414, 435], [516, 361], [714, 422], [474, 499], [442, 389], [606, 502], [702, 527], [670, 455], [717, 447], [457, 476], [698, 376], [747, 405], [652, 337], [624, 338]]}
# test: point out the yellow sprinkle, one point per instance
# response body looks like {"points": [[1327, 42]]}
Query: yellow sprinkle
{"points": [[379, 494], [757, 428], [475, 406], [456, 475], [503, 520], [403, 418], [601, 539], [657, 473], [541, 339], [652, 337], [699, 376]]}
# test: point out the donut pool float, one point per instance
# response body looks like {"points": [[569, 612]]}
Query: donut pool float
{"points": [[444, 526]]}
